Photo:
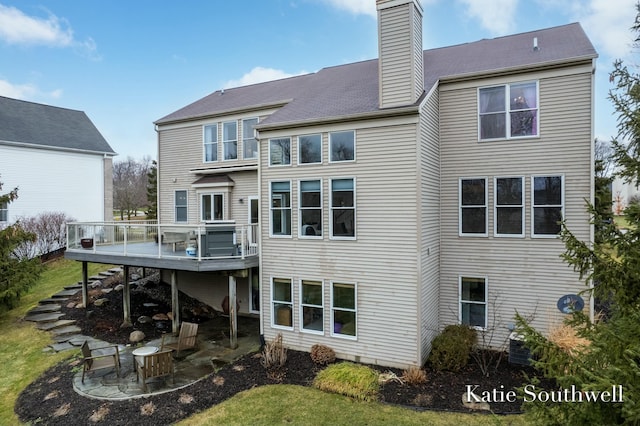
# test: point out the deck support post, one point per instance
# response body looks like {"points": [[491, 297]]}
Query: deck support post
{"points": [[233, 314], [85, 284], [175, 307], [126, 298]]}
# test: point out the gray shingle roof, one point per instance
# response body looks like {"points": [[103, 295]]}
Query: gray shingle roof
{"points": [[352, 89], [30, 123]]}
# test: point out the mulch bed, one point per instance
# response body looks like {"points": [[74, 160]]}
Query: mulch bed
{"points": [[51, 399]]}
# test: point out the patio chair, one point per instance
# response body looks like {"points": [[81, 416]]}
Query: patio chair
{"points": [[187, 339], [97, 361], [158, 364]]}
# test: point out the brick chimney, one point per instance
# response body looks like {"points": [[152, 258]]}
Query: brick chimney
{"points": [[400, 65]]}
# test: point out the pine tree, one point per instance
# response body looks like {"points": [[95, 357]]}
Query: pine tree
{"points": [[152, 191], [16, 275]]}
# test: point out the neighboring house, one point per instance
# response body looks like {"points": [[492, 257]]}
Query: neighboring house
{"points": [[58, 160], [393, 196]]}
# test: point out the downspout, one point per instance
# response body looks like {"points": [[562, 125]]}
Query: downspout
{"points": [[592, 178], [259, 233]]}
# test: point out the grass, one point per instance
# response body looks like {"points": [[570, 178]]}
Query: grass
{"points": [[21, 348], [298, 405]]}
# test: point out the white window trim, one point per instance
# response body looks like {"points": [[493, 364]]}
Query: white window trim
{"points": [[300, 163], [302, 305], [486, 207], [204, 143], [496, 207], [533, 206], [272, 301], [486, 298], [300, 208], [244, 138], [271, 234], [331, 309], [269, 153], [225, 141], [175, 216], [354, 147], [355, 210], [224, 203], [507, 111], [4, 207]]}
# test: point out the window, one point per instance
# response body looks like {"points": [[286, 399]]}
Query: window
{"points": [[230, 140], [282, 302], [180, 203], [4, 212], [342, 146], [310, 208], [211, 142], [280, 208], [473, 302], [343, 310], [343, 208], [311, 306], [547, 205], [509, 212], [310, 149], [473, 207], [249, 141], [212, 207], [508, 111], [280, 152]]}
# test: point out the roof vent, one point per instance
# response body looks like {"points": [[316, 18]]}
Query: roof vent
{"points": [[535, 44]]}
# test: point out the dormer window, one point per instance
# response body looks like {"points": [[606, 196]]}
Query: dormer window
{"points": [[508, 111]]}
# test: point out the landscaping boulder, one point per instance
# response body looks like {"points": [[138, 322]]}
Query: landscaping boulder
{"points": [[101, 302], [136, 336]]}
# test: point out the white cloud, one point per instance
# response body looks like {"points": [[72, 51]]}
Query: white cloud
{"points": [[608, 23], [18, 28], [357, 7], [26, 91], [496, 16], [259, 75]]}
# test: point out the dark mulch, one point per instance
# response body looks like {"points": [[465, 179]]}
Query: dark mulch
{"points": [[51, 399]]}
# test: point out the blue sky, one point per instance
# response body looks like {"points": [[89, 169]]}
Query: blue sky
{"points": [[128, 63]]}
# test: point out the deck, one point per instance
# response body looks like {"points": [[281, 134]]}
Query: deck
{"points": [[202, 248]]}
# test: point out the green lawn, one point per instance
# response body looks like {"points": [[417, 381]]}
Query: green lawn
{"points": [[21, 347], [23, 360]]}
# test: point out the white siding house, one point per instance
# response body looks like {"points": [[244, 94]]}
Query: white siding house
{"points": [[389, 197], [58, 161]]}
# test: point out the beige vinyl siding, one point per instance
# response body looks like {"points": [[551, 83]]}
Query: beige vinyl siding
{"points": [[181, 150], [523, 274], [429, 224], [381, 261], [399, 56]]}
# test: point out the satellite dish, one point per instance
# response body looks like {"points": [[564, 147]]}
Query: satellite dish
{"points": [[570, 303]]}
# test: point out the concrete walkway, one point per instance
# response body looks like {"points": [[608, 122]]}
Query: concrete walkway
{"points": [[212, 351]]}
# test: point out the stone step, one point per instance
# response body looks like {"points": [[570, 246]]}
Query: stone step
{"points": [[51, 300], [69, 337], [50, 326], [73, 287], [46, 317], [41, 309], [65, 293], [115, 270], [106, 273], [63, 346], [95, 278], [70, 329]]}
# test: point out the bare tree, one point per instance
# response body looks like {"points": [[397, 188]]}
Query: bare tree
{"points": [[130, 185], [50, 230]]}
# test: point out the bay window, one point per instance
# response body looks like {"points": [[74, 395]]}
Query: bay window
{"points": [[212, 207]]}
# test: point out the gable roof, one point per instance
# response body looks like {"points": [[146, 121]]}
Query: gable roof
{"points": [[351, 90], [28, 123]]}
